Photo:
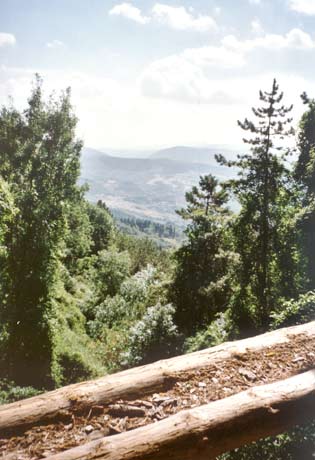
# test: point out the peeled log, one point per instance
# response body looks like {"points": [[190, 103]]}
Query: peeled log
{"points": [[212, 429], [135, 382]]}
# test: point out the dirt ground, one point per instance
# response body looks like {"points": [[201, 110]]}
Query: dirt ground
{"points": [[188, 390]]}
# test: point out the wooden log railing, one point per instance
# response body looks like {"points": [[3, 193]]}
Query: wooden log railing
{"points": [[210, 430], [137, 382]]}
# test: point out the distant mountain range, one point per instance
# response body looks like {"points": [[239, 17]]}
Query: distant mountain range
{"points": [[195, 154], [151, 188]]}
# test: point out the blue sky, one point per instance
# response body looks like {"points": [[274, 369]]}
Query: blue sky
{"points": [[147, 74]]}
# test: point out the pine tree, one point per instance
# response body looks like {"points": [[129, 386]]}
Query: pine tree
{"points": [[263, 193], [201, 285]]}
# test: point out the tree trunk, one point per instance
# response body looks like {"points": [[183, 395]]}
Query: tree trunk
{"points": [[212, 429], [136, 382]]}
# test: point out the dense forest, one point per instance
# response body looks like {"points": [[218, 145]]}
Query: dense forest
{"points": [[80, 298], [164, 234]]}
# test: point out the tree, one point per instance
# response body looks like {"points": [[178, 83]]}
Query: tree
{"points": [[201, 284], [102, 225], [7, 213], [262, 224], [304, 175], [40, 159]]}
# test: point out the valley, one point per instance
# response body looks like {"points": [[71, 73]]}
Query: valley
{"points": [[153, 187]]}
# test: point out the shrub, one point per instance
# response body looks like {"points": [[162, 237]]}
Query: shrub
{"points": [[76, 356], [10, 392], [126, 306], [295, 312], [74, 367], [154, 337], [216, 333], [113, 310], [112, 268], [297, 444]]}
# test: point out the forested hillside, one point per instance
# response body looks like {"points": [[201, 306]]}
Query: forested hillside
{"points": [[80, 298], [148, 188]]}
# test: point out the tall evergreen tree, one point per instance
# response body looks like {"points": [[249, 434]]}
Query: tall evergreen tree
{"points": [[201, 285], [262, 192], [39, 157]]}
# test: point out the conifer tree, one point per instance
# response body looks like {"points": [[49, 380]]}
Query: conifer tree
{"points": [[261, 188], [201, 285]]}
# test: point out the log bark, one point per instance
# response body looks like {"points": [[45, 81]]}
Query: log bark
{"points": [[136, 382], [212, 429]]}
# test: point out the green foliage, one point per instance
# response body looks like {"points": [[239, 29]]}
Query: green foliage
{"points": [[305, 166], [126, 306], [102, 226], [305, 177], [217, 332], [7, 213], [142, 251], [40, 160], [109, 313], [202, 282], [9, 392], [7, 208], [80, 298], [112, 268], [297, 444], [164, 235], [76, 355], [154, 337], [77, 240], [293, 312], [150, 227], [267, 263]]}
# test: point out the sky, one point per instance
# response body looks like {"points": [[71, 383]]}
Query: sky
{"points": [[147, 74]]}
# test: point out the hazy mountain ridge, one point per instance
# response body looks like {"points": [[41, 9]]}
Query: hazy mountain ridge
{"points": [[196, 154], [151, 187]]}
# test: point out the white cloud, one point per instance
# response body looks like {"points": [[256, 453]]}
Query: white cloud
{"points": [[294, 39], [303, 6], [216, 57], [256, 27], [129, 11], [184, 77], [179, 18], [255, 2], [55, 44], [188, 76], [7, 39], [152, 121]]}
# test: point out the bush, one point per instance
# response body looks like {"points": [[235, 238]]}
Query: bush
{"points": [[76, 356], [297, 444], [294, 312], [112, 268], [152, 338], [216, 333], [10, 392], [110, 312], [142, 251], [126, 306], [74, 367], [102, 226]]}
